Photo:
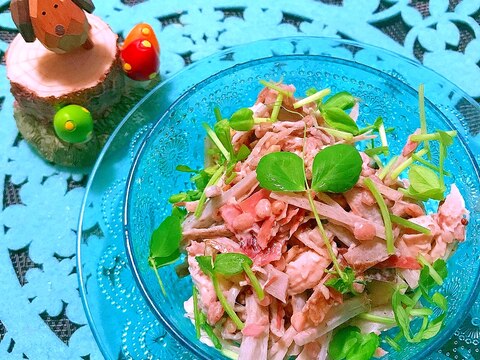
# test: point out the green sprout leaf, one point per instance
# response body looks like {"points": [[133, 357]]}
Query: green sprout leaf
{"points": [[434, 327], [165, 240], [340, 120], [431, 275], [242, 120], [281, 171], [374, 127], [203, 198], [230, 264], [350, 344], [344, 284], [222, 130], [377, 150], [243, 152], [406, 308], [162, 261], [185, 168], [446, 138], [343, 100], [191, 195], [206, 264], [424, 184], [440, 301], [336, 168]]}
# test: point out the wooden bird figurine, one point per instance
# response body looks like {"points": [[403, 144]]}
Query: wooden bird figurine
{"points": [[60, 25]]}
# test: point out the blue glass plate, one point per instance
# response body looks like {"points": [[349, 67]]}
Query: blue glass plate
{"points": [[120, 318]]}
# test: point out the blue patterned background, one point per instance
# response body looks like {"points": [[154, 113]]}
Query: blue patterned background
{"points": [[41, 315]]}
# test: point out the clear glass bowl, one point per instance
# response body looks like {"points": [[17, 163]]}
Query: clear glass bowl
{"points": [[387, 85]]}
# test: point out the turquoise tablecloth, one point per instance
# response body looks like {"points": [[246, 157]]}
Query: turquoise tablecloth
{"points": [[41, 315]]}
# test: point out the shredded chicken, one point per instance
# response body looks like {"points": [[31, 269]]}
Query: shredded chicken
{"points": [[278, 232]]}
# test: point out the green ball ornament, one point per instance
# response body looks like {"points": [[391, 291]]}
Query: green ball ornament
{"points": [[73, 124]]}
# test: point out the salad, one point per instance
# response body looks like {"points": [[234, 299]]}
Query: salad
{"points": [[305, 236]]}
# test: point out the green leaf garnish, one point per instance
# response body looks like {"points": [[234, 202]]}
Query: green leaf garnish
{"points": [[343, 100], [285, 172], [185, 168], [446, 137], [281, 171], [230, 264], [440, 300], [218, 143], [242, 120], [202, 178], [424, 184], [203, 198], [405, 308], [165, 243], [377, 150], [339, 120], [191, 195], [434, 328], [432, 274], [336, 168], [222, 130], [243, 152], [385, 214], [350, 344], [206, 264], [344, 284], [166, 238], [159, 262], [374, 127]]}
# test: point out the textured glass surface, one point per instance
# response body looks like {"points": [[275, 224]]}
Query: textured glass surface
{"points": [[118, 315], [178, 139]]}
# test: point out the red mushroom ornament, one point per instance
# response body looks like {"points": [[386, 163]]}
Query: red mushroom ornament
{"points": [[140, 60], [145, 32]]}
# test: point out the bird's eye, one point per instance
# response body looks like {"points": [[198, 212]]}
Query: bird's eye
{"points": [[44, 13], [55, 6]]}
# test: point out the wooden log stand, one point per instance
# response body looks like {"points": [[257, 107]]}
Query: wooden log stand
{"points": [[42, 82]]}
